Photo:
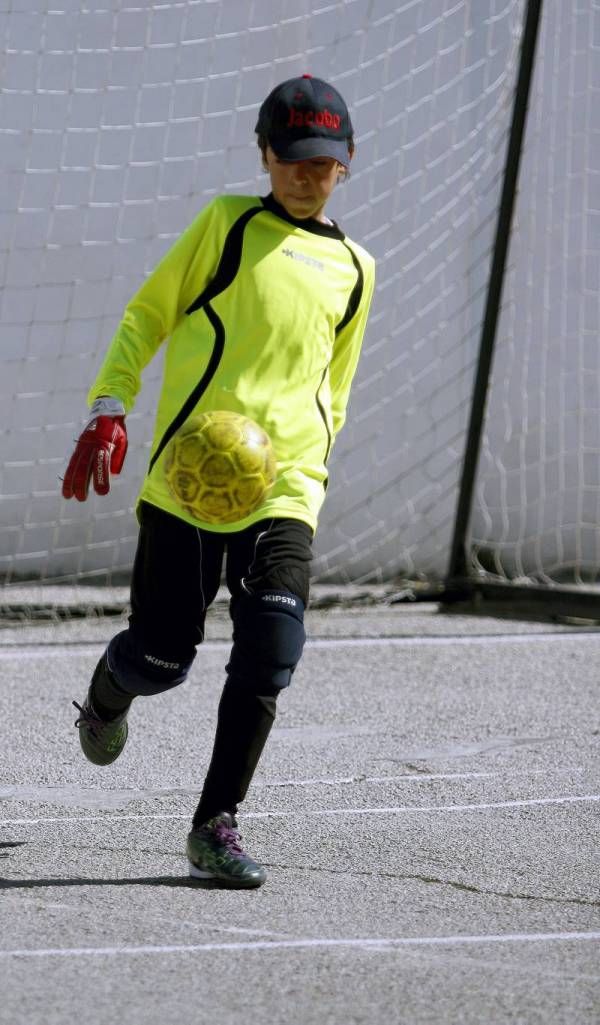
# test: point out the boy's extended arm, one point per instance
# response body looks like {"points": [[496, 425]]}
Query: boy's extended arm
{"points": [[149, 318]]}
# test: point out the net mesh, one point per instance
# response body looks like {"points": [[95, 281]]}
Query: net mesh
{"points": [[119, 122], [537, 501]]}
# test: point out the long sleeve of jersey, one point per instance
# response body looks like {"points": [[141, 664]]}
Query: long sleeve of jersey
{"points": [[154, 311], [260, 314]]}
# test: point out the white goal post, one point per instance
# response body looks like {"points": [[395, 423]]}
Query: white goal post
{"points": [[119, 121]]}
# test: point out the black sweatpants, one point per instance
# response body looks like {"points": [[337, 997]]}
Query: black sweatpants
{"points": [[176, 575]]}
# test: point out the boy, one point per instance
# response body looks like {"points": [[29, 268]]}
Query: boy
{"points": [[264, 303]]}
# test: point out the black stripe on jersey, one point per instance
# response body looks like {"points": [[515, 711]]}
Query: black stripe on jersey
{"points": [[229, 264], [356, 293], [194, 397], [324, 415]]}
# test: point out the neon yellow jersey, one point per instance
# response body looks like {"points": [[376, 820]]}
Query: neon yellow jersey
{"points": [[263, 315]]}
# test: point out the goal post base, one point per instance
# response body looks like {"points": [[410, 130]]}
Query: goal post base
{"points": [[521, 601]]}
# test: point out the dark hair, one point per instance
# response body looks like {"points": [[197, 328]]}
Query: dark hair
{"points": [[263, 142]]}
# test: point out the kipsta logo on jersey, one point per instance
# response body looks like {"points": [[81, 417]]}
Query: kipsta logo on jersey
{"points": [[309, 118]]}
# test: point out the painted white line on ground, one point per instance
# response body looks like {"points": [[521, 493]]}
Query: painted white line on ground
{"points": [[404, 809], [407, 777], [22, 652], [307, 944], [109, 799], [109, 817], [407, 808]]}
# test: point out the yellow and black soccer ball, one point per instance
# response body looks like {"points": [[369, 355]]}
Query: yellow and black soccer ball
{"points": [[219, 466]]}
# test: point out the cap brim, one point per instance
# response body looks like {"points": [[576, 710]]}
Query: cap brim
{"points": [[315, 146]]}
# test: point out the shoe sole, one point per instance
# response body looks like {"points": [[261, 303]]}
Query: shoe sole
{"points": [[228, 881]]}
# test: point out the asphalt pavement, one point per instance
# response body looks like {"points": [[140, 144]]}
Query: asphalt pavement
{"points": [[427, 809]]}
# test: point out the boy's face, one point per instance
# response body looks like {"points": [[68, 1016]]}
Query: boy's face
{"points": [[302, 187]]}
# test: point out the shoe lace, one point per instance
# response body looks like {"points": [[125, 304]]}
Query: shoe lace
{"points": [[87, 718], [230, 838]]}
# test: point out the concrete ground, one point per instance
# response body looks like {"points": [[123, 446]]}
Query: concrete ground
{"points": [[427, 809]]}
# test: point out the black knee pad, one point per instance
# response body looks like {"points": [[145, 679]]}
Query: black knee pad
{"points": [[140, 668], [268, 638]]}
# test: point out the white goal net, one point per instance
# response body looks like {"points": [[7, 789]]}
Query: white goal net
{"points": [[537, 501], [118, 122]]}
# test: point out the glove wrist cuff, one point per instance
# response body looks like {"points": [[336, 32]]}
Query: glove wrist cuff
{"points": [[107, 406]]}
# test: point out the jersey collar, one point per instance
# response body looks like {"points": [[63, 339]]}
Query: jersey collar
{"points": [[308, 224]]}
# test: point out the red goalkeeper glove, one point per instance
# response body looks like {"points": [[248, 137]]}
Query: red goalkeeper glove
{"points": [[100, 451]]}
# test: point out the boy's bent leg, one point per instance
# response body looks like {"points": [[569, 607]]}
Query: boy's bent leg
{"points": [[176, 575], [175, 578]]}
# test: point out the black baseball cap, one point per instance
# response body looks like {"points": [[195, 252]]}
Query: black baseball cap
{"points": [[306, 117]]}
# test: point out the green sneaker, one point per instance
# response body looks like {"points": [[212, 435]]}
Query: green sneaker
{"points": [[215, 852], [101, 740]]}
